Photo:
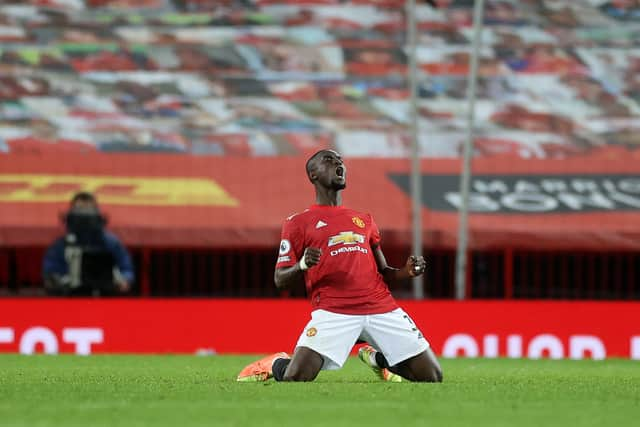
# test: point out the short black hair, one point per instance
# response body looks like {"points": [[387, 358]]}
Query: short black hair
{"points": [[84, 196], [311, 159], [308, 166]]}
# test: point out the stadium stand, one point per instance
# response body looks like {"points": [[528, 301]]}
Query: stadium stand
{"points": [[559, 80], [267, 78]]}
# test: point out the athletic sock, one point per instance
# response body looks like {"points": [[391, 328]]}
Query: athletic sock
{"points": [[381, 361], [279, 367], [372, 358]]}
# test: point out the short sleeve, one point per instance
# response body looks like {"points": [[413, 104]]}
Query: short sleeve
{"points": [[374, 235], [291, 245]]}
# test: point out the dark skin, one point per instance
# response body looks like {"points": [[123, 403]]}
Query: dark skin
{"points": [[327, 173]]}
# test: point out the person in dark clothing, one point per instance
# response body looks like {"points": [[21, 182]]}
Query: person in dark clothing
{"points": [[88, 259]]}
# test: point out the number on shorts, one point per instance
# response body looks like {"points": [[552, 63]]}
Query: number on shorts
{"points": [[414, 328], [406, 316]]}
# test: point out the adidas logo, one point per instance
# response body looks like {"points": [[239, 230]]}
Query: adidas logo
{"points": [[321, 224]]}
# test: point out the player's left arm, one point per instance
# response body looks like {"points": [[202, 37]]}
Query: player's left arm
{"points": [[414, 266]]}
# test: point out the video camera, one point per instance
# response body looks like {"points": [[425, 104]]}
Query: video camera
{"points": [[86, 227], [85, 239]]}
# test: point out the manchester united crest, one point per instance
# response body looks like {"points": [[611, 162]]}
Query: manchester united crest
{"points": [[358, 221]]}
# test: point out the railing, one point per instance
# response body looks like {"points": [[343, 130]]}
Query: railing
{"points": [[497, 274]]}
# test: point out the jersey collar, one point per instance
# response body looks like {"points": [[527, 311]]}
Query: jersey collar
{"points": [[312, 207]]}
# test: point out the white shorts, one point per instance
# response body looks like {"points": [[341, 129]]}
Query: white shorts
{"points": [[333, 335]]}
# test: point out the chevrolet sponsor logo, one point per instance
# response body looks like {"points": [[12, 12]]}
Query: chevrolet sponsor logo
{"points": [[115, 190], [346, 238]]}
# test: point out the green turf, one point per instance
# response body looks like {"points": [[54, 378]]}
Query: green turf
{"points": [[182, 391]]}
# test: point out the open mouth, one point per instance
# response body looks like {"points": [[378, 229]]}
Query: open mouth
{"points": [[340, 171]]}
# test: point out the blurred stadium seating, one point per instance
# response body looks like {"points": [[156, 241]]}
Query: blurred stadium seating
{"points": [[272, 78], [559, 79]]}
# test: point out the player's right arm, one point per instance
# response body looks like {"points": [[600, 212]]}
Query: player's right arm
{"points": [[293, 258], [287, 277]]}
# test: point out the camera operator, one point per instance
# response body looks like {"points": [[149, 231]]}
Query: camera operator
{"points": [[88, 259]]}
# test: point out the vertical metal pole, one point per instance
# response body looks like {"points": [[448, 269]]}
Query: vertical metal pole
{"points": [[416, 175], [463, 232]]}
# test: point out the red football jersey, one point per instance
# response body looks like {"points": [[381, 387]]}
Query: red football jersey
{"points": [[346, 280]]}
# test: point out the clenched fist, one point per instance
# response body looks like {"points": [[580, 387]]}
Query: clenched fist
{"points": [[310, 258], [415, 265]]}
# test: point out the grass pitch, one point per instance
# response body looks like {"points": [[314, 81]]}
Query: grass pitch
{"points": [[182, 391]]}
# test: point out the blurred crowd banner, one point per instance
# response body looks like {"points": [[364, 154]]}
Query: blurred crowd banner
{"points": [[534, 329], [557, 79], [178, 201]]}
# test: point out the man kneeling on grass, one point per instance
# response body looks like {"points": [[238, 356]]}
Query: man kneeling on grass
{"points": [[336, 250]]}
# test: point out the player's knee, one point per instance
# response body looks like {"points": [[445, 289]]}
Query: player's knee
{"points": [[299, 374], [438, 377], [298, 377], [433, 375]]}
